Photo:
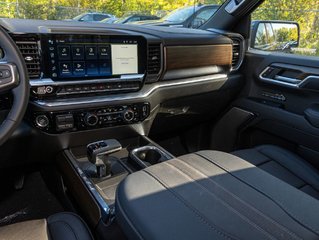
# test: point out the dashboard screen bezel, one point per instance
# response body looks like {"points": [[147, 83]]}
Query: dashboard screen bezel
{"points": [[90, 39]]}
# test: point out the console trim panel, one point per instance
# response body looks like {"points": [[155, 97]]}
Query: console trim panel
{"points": [[145, 92], [49, 81]]}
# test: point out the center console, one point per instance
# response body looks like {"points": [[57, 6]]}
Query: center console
{"points": [[93, 172]]}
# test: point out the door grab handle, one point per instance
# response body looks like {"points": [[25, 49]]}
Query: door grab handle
{"points": [[291, 82], [287, 79]]}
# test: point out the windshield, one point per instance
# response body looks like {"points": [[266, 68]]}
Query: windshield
{"points": [[98, 10], [180, 15]]}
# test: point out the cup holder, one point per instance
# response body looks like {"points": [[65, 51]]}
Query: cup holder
{"points": [[148, 155]]}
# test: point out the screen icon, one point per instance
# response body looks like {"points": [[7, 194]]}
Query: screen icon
{"points": [[78, 53], [79, 68], [105, 68], [90, 52], [64, 52], [104, 52], [65, 69], [92, 68]]}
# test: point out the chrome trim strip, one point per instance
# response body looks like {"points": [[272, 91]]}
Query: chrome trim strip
{"points": [[49, 81], [286, 82], [146, 91], [91, 188]]}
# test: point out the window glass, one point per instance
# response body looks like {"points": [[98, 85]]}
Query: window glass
{"points": [[99, 17], [206, 14], [87, 17], [173, 11], [305, 13], [134, 19]]}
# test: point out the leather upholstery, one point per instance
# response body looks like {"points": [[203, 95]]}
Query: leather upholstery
{"points": [[61, 226], [29, 230], [284, 165], [68, 226], [213, 195]]}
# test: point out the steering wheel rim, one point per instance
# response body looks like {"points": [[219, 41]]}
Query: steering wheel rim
{"points": [[18, 84]]}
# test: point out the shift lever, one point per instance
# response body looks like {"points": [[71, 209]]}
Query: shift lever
{"points": [[98, 154]]}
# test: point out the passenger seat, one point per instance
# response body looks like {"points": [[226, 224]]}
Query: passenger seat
{"points": [[284, 165], [214, 195]]}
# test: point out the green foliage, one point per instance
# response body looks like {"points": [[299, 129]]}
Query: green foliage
{"points": [[305, 12], [62, 9]]}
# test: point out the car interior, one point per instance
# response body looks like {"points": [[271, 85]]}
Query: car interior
{"points": [[146, 132]]}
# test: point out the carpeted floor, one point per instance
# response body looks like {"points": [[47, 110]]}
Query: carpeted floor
{"points": [[34, 201]]}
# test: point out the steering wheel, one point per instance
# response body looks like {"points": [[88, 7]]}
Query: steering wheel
{"points": [[14, 78]]}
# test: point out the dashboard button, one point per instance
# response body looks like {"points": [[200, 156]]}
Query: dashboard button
{"points": [[65, 68], [64, 53], [78, 53], [90, 53], [79, 68], [69, 89], [104, 52]]}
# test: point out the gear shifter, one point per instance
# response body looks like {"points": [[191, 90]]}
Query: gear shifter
{"points": [[98, 154]]}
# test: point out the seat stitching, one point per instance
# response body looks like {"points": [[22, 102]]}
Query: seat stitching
{"points": [[226, 204], [275, 160], [277, 202], [165, 185], [68, 225], [261, 150], [260, 164], [134, 229], [237, 198]]}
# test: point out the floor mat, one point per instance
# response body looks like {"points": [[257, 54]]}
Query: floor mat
{"points": [[34, 201]]}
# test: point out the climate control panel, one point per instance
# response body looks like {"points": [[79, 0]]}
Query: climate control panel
{"points": [[86, 119]]}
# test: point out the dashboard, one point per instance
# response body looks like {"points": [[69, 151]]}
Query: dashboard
{"points": [[86, 76]]}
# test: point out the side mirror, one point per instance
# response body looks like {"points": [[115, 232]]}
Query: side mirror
{"points": [[275, 36]]}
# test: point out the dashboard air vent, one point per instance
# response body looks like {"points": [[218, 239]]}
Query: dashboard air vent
{"points": [[237, 55], [154, 59], [30, 51]]}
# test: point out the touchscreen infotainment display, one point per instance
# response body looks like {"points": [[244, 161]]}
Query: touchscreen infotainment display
{"points": [[124, 59], [95, 56]]}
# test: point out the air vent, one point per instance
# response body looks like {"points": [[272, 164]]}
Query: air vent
{"points": [[30, 51], [154, 59], [237, 55]]}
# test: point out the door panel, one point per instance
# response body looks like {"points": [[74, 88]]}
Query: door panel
{"points": [[287, 112]]}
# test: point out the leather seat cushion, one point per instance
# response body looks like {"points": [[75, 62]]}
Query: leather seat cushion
{"points": [[61, 226], [213, 195], [284, 165], [29, 230], [68, 226]]}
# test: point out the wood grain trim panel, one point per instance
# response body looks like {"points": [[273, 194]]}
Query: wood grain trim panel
{"points": [[179, 57]]}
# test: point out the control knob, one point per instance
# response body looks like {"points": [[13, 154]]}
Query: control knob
{"points": [[42, 121], [128, 115], [91, 119]]}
